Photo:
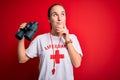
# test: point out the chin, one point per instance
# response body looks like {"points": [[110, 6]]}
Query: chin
{"points": [[60, 25]]}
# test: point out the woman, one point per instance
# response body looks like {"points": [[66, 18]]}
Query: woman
{"points": [[58, 50]]}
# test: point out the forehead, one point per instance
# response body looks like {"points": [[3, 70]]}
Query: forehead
{"points": [[57, 8]]}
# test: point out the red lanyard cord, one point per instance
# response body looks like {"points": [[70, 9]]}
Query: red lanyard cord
{"points": [[53, 70]]}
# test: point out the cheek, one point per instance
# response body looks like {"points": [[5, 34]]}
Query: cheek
{"points": [[53, 21], [64, 19]]}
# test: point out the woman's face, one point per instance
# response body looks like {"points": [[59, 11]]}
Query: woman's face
{"points": [[57, 17]]}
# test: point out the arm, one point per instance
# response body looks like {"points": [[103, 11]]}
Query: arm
{"points": [[74, 55], [22, 57]]}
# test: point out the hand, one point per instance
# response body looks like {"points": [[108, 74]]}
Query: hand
{"points": [[20, 35], [64, 31], [23, 25]]}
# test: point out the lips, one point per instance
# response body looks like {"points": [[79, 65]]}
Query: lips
{"points": [[59, 23]]}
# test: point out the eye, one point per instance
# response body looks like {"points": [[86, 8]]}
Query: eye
{"points": [[54, 14], [63, 14]]}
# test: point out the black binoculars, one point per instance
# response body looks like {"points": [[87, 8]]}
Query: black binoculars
{"points": [[28, 31]]}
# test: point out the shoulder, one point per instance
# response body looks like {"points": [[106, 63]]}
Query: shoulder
{"points": [[73, 36], [41, 37]]}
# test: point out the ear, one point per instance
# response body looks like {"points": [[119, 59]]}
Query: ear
{"points": [[49, 20]]}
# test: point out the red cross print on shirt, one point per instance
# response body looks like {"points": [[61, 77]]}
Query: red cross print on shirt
{"points": [[57, 56]]}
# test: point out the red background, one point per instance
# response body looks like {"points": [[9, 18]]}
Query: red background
{"points": [[96, 24]]}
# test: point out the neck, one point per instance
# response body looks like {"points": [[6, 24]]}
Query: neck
{"points": [[56, 33]]}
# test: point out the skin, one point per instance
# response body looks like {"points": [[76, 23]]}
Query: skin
{"points": [[57, 20]]}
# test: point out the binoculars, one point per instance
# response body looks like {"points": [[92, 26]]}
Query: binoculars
{"points": [[28, 31]]}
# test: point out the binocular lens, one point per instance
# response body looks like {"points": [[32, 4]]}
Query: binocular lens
{"points": [[28, 31]]}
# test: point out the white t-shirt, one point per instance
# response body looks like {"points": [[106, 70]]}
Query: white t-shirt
{"points": [[42, 47]]}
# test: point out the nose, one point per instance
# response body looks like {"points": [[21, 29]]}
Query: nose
{"points": [[59, 18]]}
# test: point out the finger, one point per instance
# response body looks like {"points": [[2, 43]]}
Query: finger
{"points": [[23, 25], [64, 26], [59, 30]]}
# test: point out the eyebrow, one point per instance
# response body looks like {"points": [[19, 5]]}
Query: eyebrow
{"points": [[53, 13], [56, 12]]}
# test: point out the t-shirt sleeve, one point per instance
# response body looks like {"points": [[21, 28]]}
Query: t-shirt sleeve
{"points": [[34, 48], [76, 44]]}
